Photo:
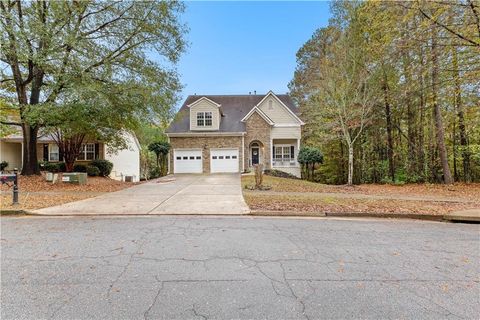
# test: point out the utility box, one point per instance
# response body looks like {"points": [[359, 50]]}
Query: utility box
{"points": [[74, 177], [129, 178]]}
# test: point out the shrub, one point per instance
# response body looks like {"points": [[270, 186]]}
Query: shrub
{"points": [[3, 165], [104, 166], [280, 174], [53, 166], [79, 168], [92, 171], [155, 172]]}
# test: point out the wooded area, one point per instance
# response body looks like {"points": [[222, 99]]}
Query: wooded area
{"points": [[390, 92]]}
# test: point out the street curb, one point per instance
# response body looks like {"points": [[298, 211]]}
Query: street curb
{"points": [[429, 217], [11, 212]]}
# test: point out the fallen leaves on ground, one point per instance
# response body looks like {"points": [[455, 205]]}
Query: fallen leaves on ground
{"points": [[36, 193], [314, 204], [94, 184], [469, 191]]}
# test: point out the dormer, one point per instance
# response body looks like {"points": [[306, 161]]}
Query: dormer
{"points": [[204, 115]]}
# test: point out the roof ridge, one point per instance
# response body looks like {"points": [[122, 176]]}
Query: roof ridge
{"points": [[231, 95]]}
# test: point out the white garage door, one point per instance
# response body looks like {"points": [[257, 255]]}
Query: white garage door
{"points": [[224, 160], [187, 161]]}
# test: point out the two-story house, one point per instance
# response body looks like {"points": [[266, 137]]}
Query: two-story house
{"points": [[232, 133]]}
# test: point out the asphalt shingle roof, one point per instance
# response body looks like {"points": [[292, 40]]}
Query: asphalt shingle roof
{"points": [[234, 108]]}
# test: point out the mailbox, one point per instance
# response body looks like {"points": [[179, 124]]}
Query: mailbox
{"points": [[6, 178]]}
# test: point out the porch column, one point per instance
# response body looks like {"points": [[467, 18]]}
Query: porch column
{"points": [[271, 153], [298, 150]]}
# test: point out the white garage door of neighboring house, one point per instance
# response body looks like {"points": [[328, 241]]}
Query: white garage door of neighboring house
{"points": [[187, 161], [224, 160]]}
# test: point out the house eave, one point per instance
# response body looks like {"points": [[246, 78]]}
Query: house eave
{"points": [[204, 134]]}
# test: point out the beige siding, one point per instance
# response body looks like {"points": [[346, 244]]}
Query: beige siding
{"points": [[11, 152], [277, 112], [286, 132], [204, 106]]}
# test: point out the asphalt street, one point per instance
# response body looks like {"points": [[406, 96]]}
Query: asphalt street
{"points": [[190, 267]]}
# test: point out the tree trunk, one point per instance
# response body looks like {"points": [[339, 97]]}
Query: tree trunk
{"points": [[388, 116], [461, 119], [350, 164], [30, 161], [439, 130]]}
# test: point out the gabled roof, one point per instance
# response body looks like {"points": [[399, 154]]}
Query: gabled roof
{"points": [[234, 109], [271, 94], [203, 99], [260, 112]]}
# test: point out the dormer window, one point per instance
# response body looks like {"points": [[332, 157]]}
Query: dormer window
{"points": [[204, 119]]}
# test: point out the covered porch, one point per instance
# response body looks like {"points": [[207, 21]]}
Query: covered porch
{"points": [[282, 156]]}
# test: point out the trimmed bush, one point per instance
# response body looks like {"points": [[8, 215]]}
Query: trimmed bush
{"points": [[104, 166], [79, 168], [3, 165], [92, 171], [280, 174], [53, 167]]}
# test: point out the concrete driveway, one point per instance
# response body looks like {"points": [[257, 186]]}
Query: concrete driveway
{"points": [[178, 194]]}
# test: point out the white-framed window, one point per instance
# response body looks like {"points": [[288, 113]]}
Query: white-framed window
{"points": [[284, 153], [53, 152], [204, 119], [87, 152]]}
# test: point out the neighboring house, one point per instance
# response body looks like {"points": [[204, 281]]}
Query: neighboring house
{"points": [[232, 133], [125, 162]]}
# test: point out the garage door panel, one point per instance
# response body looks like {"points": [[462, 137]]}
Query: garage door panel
{"points": [[224, 160], [187, 161]]}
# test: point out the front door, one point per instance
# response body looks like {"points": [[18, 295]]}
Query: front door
{"points": [[255, 156]]}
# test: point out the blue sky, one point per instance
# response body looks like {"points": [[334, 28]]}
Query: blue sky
{"points": [[237, 47]]}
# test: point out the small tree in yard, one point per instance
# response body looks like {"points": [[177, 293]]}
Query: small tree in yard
{"points": [[309, 157], [161, 149], [258, 176]]}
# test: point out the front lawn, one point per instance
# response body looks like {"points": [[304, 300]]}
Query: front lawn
{"points": [[299, 196], [459, 190], [37, 193]]}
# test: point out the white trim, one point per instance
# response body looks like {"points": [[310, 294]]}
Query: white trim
{"points": [[261, 113], [287, 125], [205, 134], [204, 119], [49, 151], [201, 99], [283, 104], [168, 159], [243, 153]]}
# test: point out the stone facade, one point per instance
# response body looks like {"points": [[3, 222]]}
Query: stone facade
{"points": [[258, 130], [205, 143]]}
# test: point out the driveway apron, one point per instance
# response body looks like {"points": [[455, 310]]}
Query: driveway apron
{"points": [[179, 194]]}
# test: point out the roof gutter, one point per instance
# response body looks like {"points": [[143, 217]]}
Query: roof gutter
{"points": [[204, 134]]}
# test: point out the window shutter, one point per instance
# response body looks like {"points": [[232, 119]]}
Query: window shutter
{"points": [[45, 152], [97, 150], [273, 152], [60, 155], [292, 152]]}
